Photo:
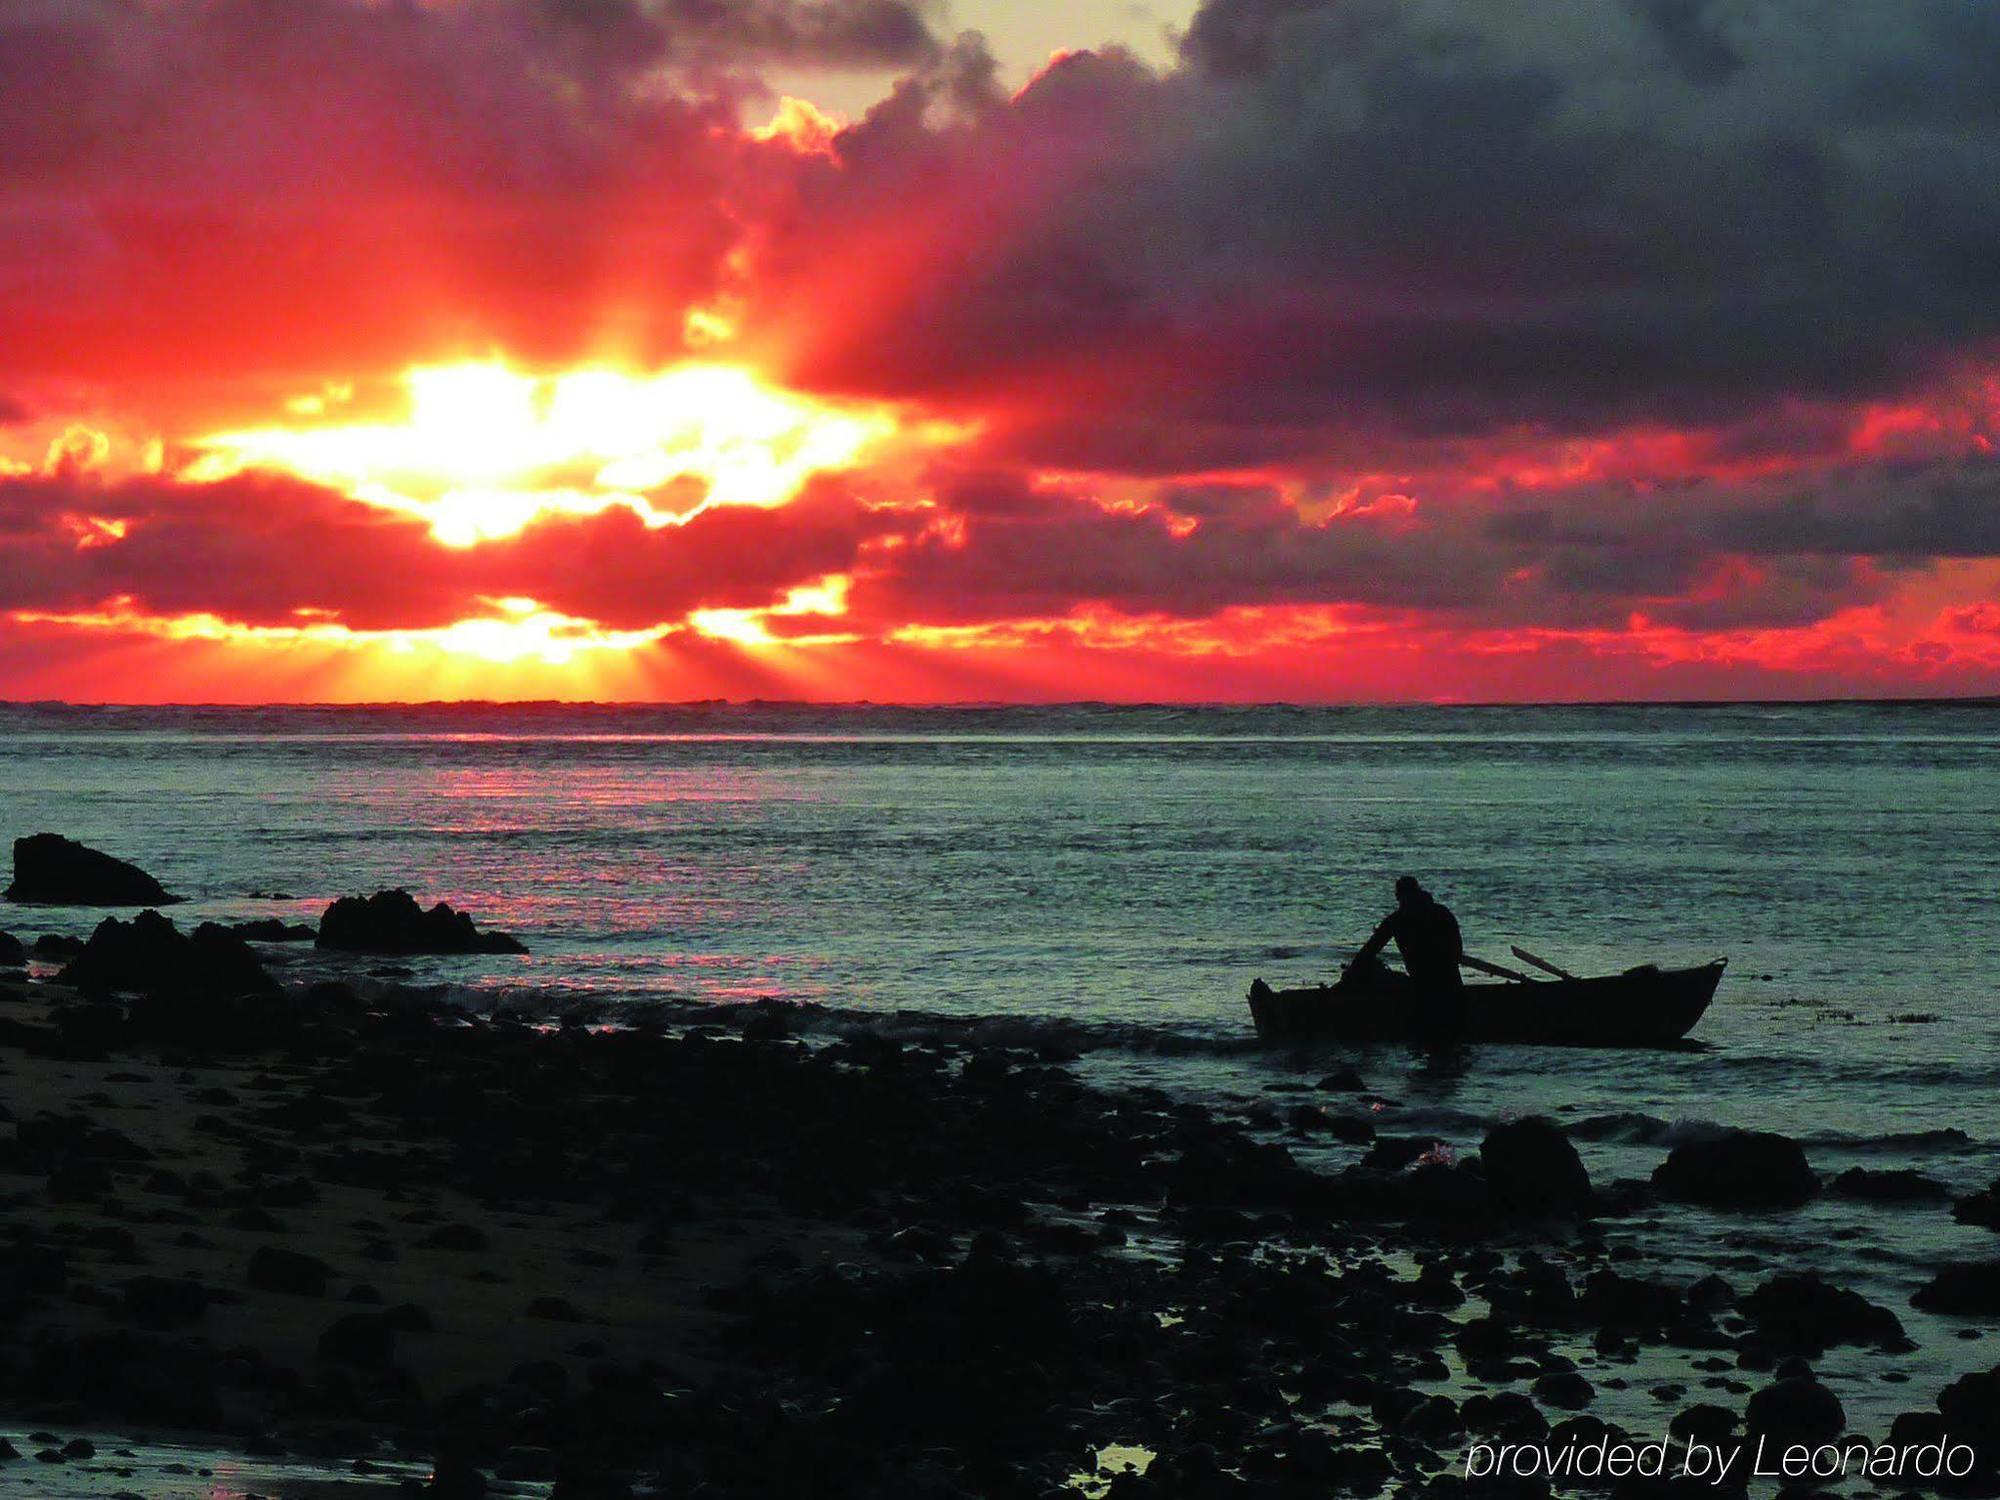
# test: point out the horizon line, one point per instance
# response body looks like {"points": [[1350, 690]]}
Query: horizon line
{"points": [[1826, 701]]}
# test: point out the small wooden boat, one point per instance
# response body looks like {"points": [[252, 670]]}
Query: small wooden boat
{"points": [[1642, 1007]]}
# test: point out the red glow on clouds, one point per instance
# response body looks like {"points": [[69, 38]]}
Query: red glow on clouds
{"points": [[538, 353]]}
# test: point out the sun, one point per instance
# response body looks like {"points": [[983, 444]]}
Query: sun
{"points": [[481, 450]]}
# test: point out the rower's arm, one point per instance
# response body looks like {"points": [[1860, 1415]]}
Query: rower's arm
{"points": [[1384, 930]]}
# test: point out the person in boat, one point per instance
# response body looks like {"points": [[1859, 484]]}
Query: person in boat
{"points": [[1427, 937]]}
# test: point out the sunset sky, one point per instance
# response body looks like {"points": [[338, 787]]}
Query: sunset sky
{"points": [[890, 349]]}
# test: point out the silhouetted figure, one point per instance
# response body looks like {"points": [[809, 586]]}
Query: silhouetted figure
{"points": [[1427, 937]]}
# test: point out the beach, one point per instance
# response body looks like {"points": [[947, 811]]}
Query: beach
{"points": [[717, 1260], [790, 1159]]}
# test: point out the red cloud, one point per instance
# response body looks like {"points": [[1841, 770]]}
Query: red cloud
{"points": [[1541, 356]]}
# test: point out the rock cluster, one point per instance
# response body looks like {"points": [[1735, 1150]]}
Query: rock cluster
{"points": [[977, 1328], [149, 955], [392, 922]]}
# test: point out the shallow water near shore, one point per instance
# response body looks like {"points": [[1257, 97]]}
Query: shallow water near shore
{"points": [[1110, 880], [188, 1469]]}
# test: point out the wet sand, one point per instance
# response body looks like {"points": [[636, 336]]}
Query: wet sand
{"points": [[719, 1261]]}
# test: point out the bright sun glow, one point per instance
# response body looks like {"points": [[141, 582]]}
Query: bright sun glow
{"points": [[517, 630], [486, 449]]}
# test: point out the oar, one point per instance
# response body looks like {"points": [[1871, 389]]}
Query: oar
{"points": [[1541, 963], [1486, 968]]}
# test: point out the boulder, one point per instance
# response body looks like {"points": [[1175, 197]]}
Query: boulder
{"points": [[271, 930], [163, 1302], [1899, 1186], [393, 922], [363, 1341], [1565, 1388], [1971, 1289], [12, 954], [1982, 1208], [1703, 1422], [1629, 1303], [288, 1271], [1970, 1407], [1532, 1167], [1709, 1293], [1802, 1314], [54, 871], [1796, 1408], [150, 956], [1738, 1169]]}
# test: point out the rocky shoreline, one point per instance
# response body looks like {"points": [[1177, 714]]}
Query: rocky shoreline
{"points": [[716, 1260]]}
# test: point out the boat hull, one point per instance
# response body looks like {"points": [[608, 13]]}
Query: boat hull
{"points": [[1645, 1007]]}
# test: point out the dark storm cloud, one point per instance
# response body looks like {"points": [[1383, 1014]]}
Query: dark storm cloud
{"points": [[1690, 34], [1037, 552], [830, 33], [1936, 509], [1448, 214], [261, 548], [1903, 510]]}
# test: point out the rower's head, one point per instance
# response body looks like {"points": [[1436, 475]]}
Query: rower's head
{"points": [[1408, 892]]}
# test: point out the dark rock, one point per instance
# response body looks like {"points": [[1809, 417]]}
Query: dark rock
{"points": [[1796, 1408], [1900, 1186], [1392, 1153], [150, 956], [1565, 1388], [1703, 1423], [12, 954], [1738, 1169], [1970, 1407], [366, 1341], [455, 1479], [1434, 1419], [1436, 1287], [1612, 1300], [1710, 1293], [555, 1309], [1341, 1081], [1913, 1427], [288, 1271], [407, 1317], [1505, 1414], [129, 1376], [1802, 1314], [163, 1302], [392, 922], [51, 870], [1311, 1119], [54, 946], [1971, 1289], [464, 1238], [79, 1182], [1981, 1208], [1532, 1167]]}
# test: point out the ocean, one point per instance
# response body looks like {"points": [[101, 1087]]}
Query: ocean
{"points": [[1111, 879]]}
